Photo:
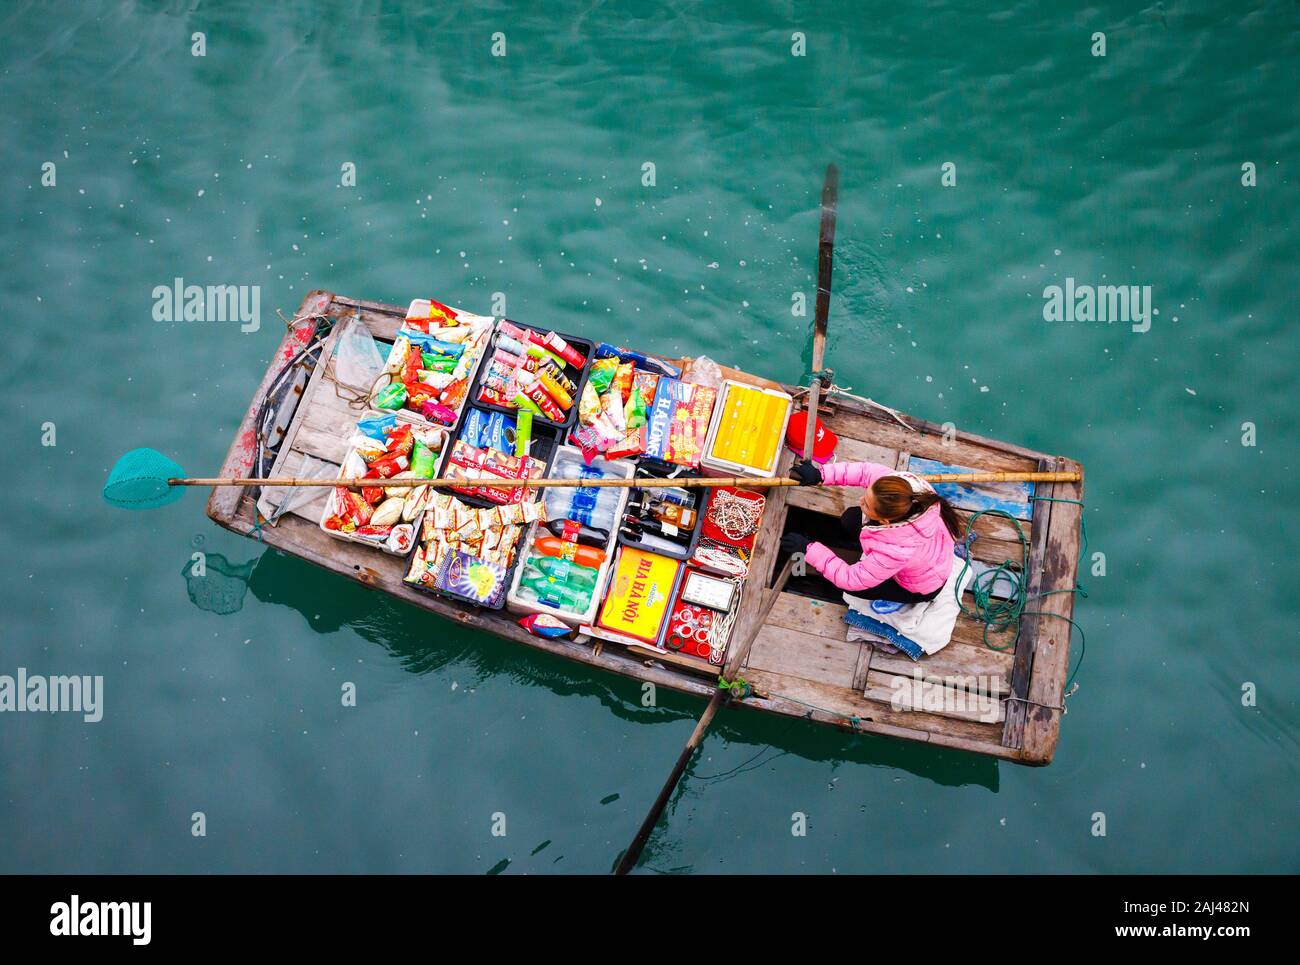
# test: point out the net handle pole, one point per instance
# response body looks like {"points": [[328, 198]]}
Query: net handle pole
{"points": [[690, 482]]}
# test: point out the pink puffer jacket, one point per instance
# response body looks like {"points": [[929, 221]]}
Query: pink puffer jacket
{"points": [[916, 553]]}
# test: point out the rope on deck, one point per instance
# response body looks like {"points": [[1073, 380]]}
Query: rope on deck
{"points": [[999, 616]]}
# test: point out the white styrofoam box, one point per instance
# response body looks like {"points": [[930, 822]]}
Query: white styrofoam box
{"points": [[514, 602], [482, 323], [328, 509], [719, 464]]}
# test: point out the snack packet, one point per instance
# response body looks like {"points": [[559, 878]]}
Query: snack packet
{"points": [[545, 625], [602, 374], [391, 396], [397, 356]]}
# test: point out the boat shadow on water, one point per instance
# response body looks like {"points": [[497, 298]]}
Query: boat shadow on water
{"points": [[328, 602]]}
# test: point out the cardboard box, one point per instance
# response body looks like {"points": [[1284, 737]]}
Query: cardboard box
{"points": [[640, 591]]}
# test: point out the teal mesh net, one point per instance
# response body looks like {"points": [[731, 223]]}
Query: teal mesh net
{"points": [[139, 481]]}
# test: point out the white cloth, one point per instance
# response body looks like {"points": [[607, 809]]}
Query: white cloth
{"points": [[927, 626]]}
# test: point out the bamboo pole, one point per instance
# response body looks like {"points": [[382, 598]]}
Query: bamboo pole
{"points": [[688, 482]]}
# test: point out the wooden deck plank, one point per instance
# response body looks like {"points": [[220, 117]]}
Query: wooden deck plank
{"points": [[807, 655], [328, 446], [904, 692], [763, 562], [833, 705], [327, 411], [1026, 639], [956, 665], [1051, 661], [846, 406], [962, 448], [997, 529], [796, 612], [382, 320], [961, 660]]}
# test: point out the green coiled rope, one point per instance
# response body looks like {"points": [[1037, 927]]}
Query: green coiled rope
{"points": [[1002, 615]]}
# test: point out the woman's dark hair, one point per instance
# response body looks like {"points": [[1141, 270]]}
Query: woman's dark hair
{"points": [[895, 500]]}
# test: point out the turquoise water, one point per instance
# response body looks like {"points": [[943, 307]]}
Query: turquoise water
{"points": [[523, 174]]}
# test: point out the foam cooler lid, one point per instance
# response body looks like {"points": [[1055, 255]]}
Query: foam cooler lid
{"points": [[748, 429]]}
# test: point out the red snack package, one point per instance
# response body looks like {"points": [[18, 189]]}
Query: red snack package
{"points": [[622, 382], [508, 467], [463, 462], [632, 444], [385, 467], [590, 442], [417, 393], [372, 494], [454, 394], [399, 440], [492, 396], [440, 314], [504, 466], [411, 368], [559, 346], [544, 402], [352, 508]]}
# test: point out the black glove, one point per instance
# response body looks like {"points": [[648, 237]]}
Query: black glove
{"points": [[795, 543], [807, 473]]}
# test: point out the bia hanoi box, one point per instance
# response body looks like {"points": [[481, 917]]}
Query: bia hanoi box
{"points": [[640, 590]]}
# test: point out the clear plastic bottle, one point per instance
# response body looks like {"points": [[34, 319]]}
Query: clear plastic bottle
{"points": [[589, 505]]}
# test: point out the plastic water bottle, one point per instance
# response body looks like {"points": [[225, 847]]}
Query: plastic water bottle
{"points": [[567, 590]]}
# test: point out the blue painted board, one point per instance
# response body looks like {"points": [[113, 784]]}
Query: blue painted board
{"points": [[1012, 498]]}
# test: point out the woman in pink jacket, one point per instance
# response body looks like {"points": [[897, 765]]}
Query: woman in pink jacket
{"points": [[906, 529]]}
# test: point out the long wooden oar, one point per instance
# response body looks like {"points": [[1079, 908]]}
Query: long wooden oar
{"points": [[735, 660], [825, 263], [687, 482]]}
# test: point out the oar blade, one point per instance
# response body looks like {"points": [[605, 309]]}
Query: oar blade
{"points": [[139, 481]]}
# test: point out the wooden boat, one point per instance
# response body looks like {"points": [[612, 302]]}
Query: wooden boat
{"points": [[1003, 703]]}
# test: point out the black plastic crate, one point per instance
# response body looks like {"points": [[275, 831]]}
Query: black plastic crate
{"points": [[653, 469], [579, 377], [546, 439]]}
